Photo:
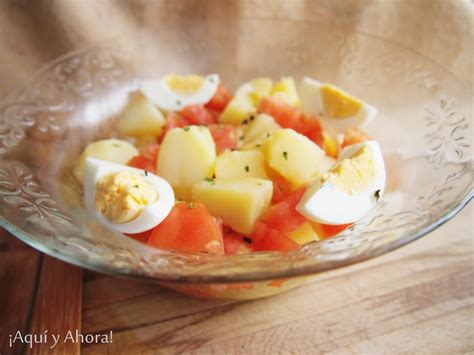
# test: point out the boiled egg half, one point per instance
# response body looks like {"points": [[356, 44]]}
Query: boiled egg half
{"points": [[173, 92], [338, 109], [349, 190], [125, 199]]}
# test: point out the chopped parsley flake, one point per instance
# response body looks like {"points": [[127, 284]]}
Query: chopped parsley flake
{"points": [[241, 138], [247, 168], [377, 195], [136, 186], [146, 172], [209, 180], [186, 129], [116, 145], [285, 155]]}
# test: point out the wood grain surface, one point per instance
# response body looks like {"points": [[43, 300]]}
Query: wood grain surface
{"points": [[19, 270], [58, 308], [37, 293]]}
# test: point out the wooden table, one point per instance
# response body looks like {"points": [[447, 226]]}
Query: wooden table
{"points": [[417, 299]]}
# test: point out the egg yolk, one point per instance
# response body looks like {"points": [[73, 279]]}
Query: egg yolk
{"points": [[122, 196], [356, 174], [338, 104], [184, 85]]}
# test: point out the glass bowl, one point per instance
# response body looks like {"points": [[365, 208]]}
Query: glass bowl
{"points": [[424, 127]]}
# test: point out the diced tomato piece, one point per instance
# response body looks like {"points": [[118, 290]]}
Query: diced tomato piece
{"points": [[224, 136], [150, 151], [283, 215], [288, 116], [197, 114], [234, 243], [189, 227], [284, 114], [281, 187], [311, 128], [215, 114], [231, 244], [141, 237], [332, 230], [147, 158], [173, 120], [354, 135], [220, 99], [265, 238], [140, 162], [325, 231]]}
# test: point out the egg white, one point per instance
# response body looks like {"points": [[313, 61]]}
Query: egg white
{"points": [[325, 203], [152, 215], [312, 103], [158, 92]]}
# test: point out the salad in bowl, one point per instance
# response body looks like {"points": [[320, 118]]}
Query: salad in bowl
{"points": [[271, 167]]}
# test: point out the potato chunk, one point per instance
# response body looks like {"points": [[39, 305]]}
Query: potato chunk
{"points": [[113, 150], [141, 118], [285, 89], [258, 129], [240, 164], [262, 87], [294, 156], [238, 202], [186, 156], [303, 234], [237, 109], [246, 100]]}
